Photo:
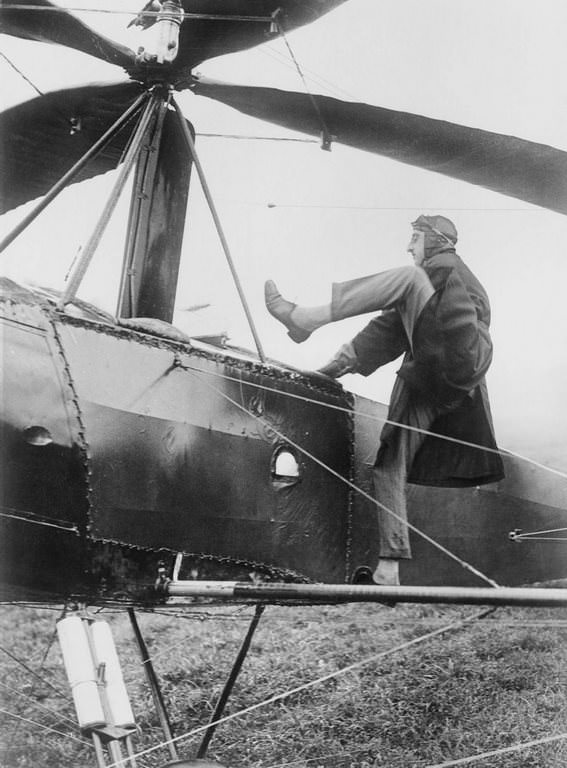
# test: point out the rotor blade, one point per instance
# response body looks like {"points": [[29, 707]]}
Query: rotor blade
{"points": [[240, 24], [44, 137], [536, 173], [46, 22]]}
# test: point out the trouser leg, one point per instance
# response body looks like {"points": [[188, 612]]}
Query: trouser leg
{"points": [[311, 318], [391, 471], [408, 289]]}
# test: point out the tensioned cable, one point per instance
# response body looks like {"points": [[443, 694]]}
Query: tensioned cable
{"points": [[53, 712], [118, 12], [353, 486], [32, 672], [459, 761], [132, 666], [70, 528], [303, 760], [326, 134], [541, 533], [40, 671], [519, 537], [280, 58], [30, 83], [371, 417], [395, 208], [503, 751], [46, 728], [255, 138], [312, 683], [218, 226], [19, 71]]}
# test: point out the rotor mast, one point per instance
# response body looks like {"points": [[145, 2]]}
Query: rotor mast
{"points": [[156, 221], [160, 193]]}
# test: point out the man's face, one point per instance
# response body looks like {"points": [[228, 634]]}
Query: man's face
{"points": [[416, 246]]}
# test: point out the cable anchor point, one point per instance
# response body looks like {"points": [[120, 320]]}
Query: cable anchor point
{"points": [[169, 16], [162, 580], [326, 140], [275, 24]]}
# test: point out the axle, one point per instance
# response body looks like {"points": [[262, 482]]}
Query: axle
{"points": [[348, 593]]}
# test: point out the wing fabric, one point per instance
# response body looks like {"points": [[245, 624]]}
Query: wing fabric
{"points": [[43, 24], [535, 173], [47, 135]]}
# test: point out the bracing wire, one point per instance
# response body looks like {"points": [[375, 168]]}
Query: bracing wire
{"points": [[149, 14], [502, 751], [326, 207], [523, 535], [68, 528], [32, 672], [458, 624], [21, 74], [45, 727], [242, 137], [48, 710], [319, 759], [382, 420], [39, 673], [502, 452], [272, 53], [467, 566], [460, 761], [325, 133]]}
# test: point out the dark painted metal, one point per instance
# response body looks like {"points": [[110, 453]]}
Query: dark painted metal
{"points": [[172, 465], [121, 449], [156, 222], [474, 523], [43, 502]]}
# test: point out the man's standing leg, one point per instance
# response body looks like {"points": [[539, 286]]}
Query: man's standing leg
{"points": [[393, 463]]}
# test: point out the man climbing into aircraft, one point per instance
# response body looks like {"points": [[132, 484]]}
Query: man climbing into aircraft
{"points": [[437, 314]]}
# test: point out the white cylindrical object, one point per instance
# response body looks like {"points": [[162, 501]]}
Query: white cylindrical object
{"points": [[87, 705], [81, 673], [116, 693]]}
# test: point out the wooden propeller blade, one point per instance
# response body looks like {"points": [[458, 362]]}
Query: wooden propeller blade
{"points": [[45, 22], [536, 173], [44, 137]]}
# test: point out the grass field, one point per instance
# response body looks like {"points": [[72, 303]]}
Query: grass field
{"points": [[488, 686]]}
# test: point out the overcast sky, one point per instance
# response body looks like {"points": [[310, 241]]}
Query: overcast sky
{"points": [[306, 217]]}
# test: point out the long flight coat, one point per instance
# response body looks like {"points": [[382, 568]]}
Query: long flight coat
{"points": [[446, 364]]}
